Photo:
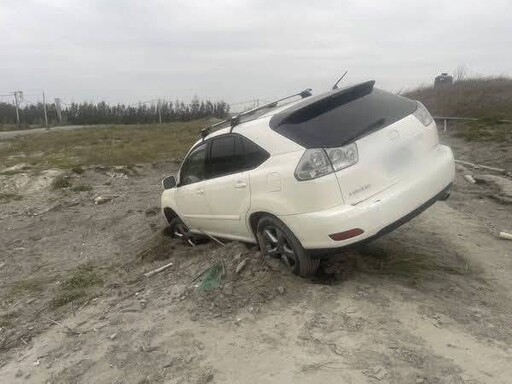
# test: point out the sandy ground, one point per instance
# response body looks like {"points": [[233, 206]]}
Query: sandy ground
{"points": [[428, 303]]}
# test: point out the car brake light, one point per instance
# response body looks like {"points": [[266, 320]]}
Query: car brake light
{"points": [[423, 115], [319, 162]]}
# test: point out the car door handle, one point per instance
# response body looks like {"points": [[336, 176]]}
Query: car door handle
{"points": [[200, 191], [240, 184]]}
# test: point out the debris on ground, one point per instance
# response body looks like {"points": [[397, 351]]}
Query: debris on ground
{"points": [[469, 178], [378, 372], [479, 166], [241, 266], [102, 199], [212, 279], [155, 271], [505, 235]]}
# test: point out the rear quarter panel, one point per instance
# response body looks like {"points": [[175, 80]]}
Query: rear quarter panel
{"points": [[274, 188]]}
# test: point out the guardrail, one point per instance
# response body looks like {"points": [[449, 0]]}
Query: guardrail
{"points": [[447, 118]]}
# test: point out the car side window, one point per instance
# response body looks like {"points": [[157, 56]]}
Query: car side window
{"points": [[223, 158], [193, 169], [251, 155]]}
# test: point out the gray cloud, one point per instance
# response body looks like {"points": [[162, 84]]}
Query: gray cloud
{"points": [[133, 50]]}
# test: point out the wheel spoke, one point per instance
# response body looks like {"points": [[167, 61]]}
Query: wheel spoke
{"points": [[280, 238], [273, 252], [286, 260], [270, 236]]}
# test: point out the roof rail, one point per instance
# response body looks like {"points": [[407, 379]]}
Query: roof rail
{"points": [[235, 120]]}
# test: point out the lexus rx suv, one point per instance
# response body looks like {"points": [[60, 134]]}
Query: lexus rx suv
{"points": [[302, 178]]}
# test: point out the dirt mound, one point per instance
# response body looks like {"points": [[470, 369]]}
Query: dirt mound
{"points": [[246, 281], [23, 182], [219, 281]]}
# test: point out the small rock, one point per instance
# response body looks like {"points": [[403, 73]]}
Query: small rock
{"points": [[113, 336], [241, 266], [420, 380], [37, 363], [102, 199], [378, 372], [238, 320], [280, 290]]}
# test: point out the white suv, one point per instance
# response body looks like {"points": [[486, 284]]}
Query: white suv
{"points": [[311, 176]]}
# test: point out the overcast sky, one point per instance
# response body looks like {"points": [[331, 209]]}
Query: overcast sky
{"points": [[130, 50]]}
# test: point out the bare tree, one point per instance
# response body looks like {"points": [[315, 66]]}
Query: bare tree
{"points": [[460, 73]]}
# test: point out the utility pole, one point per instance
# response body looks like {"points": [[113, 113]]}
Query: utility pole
{"points": [[57, 108], [44, 109], [17, 98]]}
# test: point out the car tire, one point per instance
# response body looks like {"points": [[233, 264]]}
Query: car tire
{"points": [[276, 240]]}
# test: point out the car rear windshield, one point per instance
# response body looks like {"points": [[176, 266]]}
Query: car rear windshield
{"points": [[340, 117]]}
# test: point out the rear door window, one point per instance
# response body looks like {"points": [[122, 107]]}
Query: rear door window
{"points": [[223, 158], [233, 153]]}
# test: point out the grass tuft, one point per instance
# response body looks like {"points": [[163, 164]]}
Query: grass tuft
{"points": [[61, 182], [8, 197], [78, 285], [82, 188], [77, 169]]}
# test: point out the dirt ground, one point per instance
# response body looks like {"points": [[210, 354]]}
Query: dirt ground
{"points": [[428, 303]]}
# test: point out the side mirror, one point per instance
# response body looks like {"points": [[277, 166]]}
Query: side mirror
{"points": [[169, 182]]}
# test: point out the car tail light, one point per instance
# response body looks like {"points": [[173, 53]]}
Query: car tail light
{"points": [[319, 162], [343, 157], [313, 163], [423, 115]]}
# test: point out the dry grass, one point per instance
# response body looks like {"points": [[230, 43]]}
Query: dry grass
{"points": [[483, 131], [82, 188], [114, 145], [78, 285], [8, 197], [61, 182], [489, 98]]}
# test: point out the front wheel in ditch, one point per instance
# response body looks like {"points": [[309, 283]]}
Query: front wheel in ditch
{"points": [[277, 241], [179, 230]]}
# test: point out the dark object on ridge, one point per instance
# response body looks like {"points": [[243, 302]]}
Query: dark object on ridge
{"points": [[443, 79]]}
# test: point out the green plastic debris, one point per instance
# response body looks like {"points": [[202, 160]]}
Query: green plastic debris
{"points": [[213, 277]]}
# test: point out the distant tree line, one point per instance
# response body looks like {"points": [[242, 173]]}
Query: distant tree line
{"points": [[103, 113]]}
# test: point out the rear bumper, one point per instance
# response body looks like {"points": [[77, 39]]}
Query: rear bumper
{"points": [[381, 213]]}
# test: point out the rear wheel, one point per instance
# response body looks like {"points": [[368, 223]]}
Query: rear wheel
{"points": [[277, 241]]}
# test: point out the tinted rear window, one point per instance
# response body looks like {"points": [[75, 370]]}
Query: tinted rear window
{"points": [[335, 126]]}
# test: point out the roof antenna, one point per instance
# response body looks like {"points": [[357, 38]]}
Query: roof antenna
{"points": [[335, 86]]}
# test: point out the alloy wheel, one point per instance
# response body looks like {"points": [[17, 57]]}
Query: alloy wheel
{"points": [[278, 246]]}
